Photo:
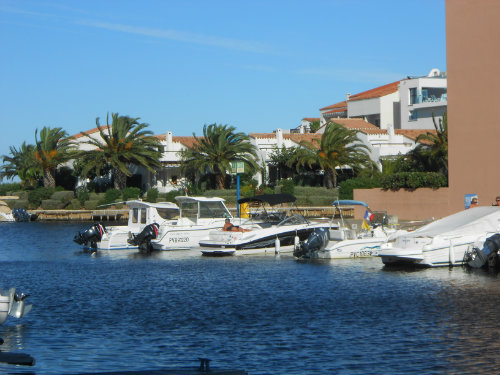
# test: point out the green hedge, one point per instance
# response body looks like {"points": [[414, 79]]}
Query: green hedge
{"points": [[91, 204], [52, 204], [64, 196], [18, 203], [74, 205], [413, 180]]}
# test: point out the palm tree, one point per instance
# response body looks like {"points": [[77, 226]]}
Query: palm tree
{"points": [[216, 149], [21, 164], [338, 147], [280, 158], [123, 142], [436, 145], [52, 149]]}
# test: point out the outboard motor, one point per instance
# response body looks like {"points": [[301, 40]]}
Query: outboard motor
{"points": [[317, 241], [21, 215], [91, 236], [487, 255], [13, 304], [143, 239]]}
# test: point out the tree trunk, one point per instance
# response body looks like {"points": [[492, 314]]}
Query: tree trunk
{"points": [[220, 178], [120, 181], [49, 177], [330, 179]]}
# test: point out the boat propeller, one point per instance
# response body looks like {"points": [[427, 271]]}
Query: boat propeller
{"points": [[91, 236], [143, 239]]}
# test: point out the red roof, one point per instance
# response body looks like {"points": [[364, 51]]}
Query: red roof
{"points": [[311, 119], [335, 106], [91, 131], [376, 92], [359, 125], [414, 133]]}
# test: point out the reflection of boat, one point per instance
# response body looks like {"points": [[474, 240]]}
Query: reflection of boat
{"points": [[445, 241], [198, 216], [347, 243], [141, 214], [13, 304], [273, 232]]}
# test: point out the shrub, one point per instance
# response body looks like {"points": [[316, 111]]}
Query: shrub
{"points": [[413, 180], [287, 186], [152, 195], [170, 196], [5, 188], [82, 196], [52, 204], [91, 204], [63, 196], [17, 203], [74, 204], [131, 193], [36, 196]]}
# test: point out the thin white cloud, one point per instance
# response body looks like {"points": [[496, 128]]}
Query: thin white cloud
{"points": [[181, 36]]}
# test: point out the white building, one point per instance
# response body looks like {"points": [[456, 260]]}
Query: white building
{"points": [[421, 98], [405, 104]]}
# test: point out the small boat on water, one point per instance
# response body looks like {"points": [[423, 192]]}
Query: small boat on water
{"points": [[13, 304], [141, 215], [197, 217], [267, 232], [349, 243], [444, 242]]}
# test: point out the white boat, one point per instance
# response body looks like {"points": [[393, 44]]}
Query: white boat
{"points": [[141, 214], [348, 243], [198, 216], [5, 212], [443, 242], [269, 234], [12, 304]]}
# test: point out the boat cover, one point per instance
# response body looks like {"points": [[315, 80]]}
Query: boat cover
{"points": [[271, 199], [473, 221], [348, 202]]}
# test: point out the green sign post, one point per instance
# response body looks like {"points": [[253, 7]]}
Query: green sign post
{"points": [[237, 167]]}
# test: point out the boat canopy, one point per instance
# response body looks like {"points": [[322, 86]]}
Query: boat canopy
{"points": [[188, 199], [472, 221], [348, 202], [136, 203], [271, 199]]}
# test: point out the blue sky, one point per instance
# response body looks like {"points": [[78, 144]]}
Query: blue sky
{"points": [[256, 65]]}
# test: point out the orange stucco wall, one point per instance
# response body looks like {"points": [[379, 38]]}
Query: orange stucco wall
{"points": [[420, 204], [473, 66]]}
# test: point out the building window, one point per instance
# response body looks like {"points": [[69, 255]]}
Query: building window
{"points": [[413, 115], [413, 96]]}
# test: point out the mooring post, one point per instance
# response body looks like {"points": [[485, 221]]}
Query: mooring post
{"points": [[204, 364]]}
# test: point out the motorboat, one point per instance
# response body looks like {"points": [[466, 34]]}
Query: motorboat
{"points": [[345, 242], [267, 231], [444, 242], [141, 215], [5, 212], [197, 217], [13, 304]]}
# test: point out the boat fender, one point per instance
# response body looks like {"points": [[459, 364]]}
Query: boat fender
{"points": [[277, 245]]}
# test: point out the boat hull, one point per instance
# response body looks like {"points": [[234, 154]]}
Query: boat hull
{"points": [[365, 247]]}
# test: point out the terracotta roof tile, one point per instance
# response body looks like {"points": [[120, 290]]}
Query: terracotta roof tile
{"points": [[91, 131], [336, 111], [334, 106], [414, 133], [360, 125], [311, 119], [376, 92]]}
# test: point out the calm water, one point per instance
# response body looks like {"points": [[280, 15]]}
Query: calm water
{"points": [[266, 315]]}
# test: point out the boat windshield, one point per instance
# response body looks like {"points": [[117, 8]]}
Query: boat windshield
{"points": [[213, 210], [168, 213], [207, 210], [294, 220]]}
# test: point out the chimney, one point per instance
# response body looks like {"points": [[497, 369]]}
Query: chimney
{"points": [[347, 97], [279, 138], [169, 141]]}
